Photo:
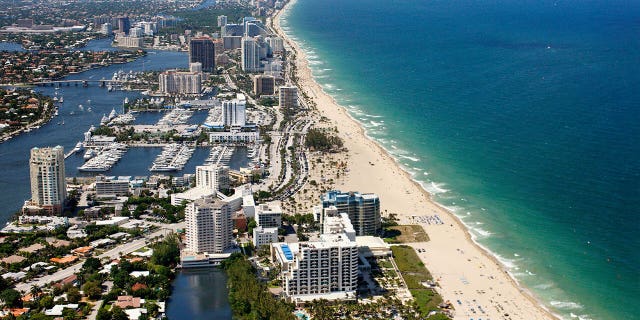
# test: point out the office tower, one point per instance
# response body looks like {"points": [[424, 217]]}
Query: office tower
{"points": [[222, 21], [212, 178], [250, 55], [123, 24], [48, 187], [209, 228], [233, 111], [202, 50], [363, 209], [264, 85], [288, 97], [175, 82], [324, 269]]}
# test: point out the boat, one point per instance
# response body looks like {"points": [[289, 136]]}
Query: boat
{"points": [[61, 100], [56, 113], [80, 107], [89, 154], [79, 146]]}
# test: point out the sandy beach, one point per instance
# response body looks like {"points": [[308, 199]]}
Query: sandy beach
{"points": [[469, 277]]}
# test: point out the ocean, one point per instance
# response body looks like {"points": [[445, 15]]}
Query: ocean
{"points": [[521, 117]]}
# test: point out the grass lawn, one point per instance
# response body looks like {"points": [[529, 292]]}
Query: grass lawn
{"points": [[414, 272], [405, 234]]}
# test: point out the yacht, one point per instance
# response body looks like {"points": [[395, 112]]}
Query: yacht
{"points": [[79, 146], [89, 154]]}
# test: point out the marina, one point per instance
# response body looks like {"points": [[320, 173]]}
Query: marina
{"points": [[105, 158], [176, 117], [220, 155], [123, 119], [173, 157]]}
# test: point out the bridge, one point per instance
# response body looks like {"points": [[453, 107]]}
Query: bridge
{"points": [[60, 83]]}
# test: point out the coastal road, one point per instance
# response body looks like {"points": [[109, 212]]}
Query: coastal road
{"points": [[124, 248]]}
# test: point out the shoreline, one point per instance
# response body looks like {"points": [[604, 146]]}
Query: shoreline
{"points": [[521, 296]]}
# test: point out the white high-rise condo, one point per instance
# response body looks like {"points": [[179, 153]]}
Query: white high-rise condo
{"points": [[209, 228], [48, 187], [233, 111], [250, 55]]}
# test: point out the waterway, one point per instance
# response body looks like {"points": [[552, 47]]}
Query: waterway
{"points": [[68, 128], [199, 294]]}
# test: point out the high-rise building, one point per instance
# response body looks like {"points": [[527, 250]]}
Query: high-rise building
{"points": [[175, 82], [48, 187], [123, 24], [106, 29], [202, 50], [232, 30], [276, 45], [263, 84], [288, 97], [324, 269], [233, 111], [222, 21], [136, 32], [363, 209], [250, 55], [212, 178], [195, 67], [209, 228]]}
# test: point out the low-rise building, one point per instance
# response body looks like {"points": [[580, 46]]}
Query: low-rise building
{"points": [[264, 236], [269, 215]]}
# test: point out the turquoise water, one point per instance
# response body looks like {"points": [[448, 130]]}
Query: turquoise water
{"points": [[521, 117]]}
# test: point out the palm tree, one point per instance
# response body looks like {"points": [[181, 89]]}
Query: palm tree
{"points": [[35, 291]]}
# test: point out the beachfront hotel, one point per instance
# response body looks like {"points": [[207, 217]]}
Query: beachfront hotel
{"points": [[324, 269], [48, 187], [209, 228], [363, 209], [288, 96]]}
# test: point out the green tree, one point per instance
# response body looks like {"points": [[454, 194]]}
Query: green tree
{"points": [[103, 314], [73, 295], [11, 298], [166, 252], [91, 265], [92, 290], [118, 314], [46, 302]]}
